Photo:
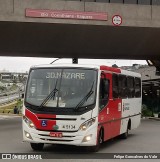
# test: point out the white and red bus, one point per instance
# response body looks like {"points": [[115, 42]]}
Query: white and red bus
{"points": [[82, 105]]}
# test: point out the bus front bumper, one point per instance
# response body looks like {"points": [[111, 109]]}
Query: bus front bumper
{"points": [[79, 138]]}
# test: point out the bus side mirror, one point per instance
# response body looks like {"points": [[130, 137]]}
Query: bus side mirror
{"points": [[22, 95]]}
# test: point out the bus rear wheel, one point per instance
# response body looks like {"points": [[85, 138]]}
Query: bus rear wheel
{"points": [[125, 135], [37, 146]]}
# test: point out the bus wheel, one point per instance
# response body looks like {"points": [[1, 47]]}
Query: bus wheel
{"points": [[125, 135], [37, 146], [99, 142]]}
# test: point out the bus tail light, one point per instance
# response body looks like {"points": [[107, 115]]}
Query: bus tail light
{"points": [[87, 124], [28, 122]]}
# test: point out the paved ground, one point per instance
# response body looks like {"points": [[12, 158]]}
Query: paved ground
{"points": [[145, 139]]}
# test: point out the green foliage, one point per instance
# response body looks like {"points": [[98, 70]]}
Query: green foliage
{"points": [[2, 88], [13, 87], [14, 81], [6, 111], [7, 108], [146, 112], [19, 104]]}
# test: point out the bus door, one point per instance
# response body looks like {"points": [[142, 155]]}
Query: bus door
{"points": [[104, 95], [115, 106]]}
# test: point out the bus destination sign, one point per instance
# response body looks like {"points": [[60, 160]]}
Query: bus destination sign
{"points": [[58, 14]]}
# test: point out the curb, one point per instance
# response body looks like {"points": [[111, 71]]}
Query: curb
{"points": [[154, 118], [6, 114]]}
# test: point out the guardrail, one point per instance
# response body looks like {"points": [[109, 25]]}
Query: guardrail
{"points": [[8, 102], [8, 93], [8, 99]]}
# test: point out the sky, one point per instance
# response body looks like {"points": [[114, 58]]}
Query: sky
{"points": [[22, 64]]}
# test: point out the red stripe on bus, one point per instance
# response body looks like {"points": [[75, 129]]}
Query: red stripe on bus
{"points": [[38, 122], [110, 112], [107, 119], [112, 69]]}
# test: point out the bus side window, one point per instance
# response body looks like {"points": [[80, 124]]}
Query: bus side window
{"points": [[104, 93], [115, 86], [122, 83], [130, 87], [137, 87]]}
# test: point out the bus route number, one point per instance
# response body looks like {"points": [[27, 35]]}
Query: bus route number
{"points": [[68, 126]]}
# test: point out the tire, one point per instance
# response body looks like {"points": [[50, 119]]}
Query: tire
{"points": [[100, 141], [37, 146], [125, 135]]}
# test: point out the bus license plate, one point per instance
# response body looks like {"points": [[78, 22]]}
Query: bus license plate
{"points": [[56, 134]]}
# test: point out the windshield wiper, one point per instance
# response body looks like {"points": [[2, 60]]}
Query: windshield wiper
{"points": [[85, 98], [52, 94]]}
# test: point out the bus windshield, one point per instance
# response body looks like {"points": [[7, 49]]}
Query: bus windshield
{"points": [[61, 88]]}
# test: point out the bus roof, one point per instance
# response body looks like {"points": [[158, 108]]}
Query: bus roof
{"points": [[66, 65], [99, 67], [120, 71]]}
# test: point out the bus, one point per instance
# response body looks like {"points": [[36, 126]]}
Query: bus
{"points": [[81, 105]]}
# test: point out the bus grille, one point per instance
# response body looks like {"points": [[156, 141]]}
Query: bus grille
{"points": [[45, 139]]}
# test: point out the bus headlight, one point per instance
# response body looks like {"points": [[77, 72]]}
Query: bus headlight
{"points": [[87, 138], [28, 122], [28, 135], [87, 124]]}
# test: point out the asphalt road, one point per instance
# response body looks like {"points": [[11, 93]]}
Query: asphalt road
{"points": [[145, 139]]}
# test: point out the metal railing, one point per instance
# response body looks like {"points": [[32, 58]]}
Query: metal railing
{"points": [[10, 98]]}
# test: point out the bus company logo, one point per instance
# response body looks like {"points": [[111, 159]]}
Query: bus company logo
{"points": [[55, 127], [44, 123], [126, 106]]}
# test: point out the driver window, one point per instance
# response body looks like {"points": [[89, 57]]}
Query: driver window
{"points": [[104, 93]]}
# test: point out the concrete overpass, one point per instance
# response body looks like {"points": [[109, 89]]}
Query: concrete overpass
{"points": [[138, 36]]}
